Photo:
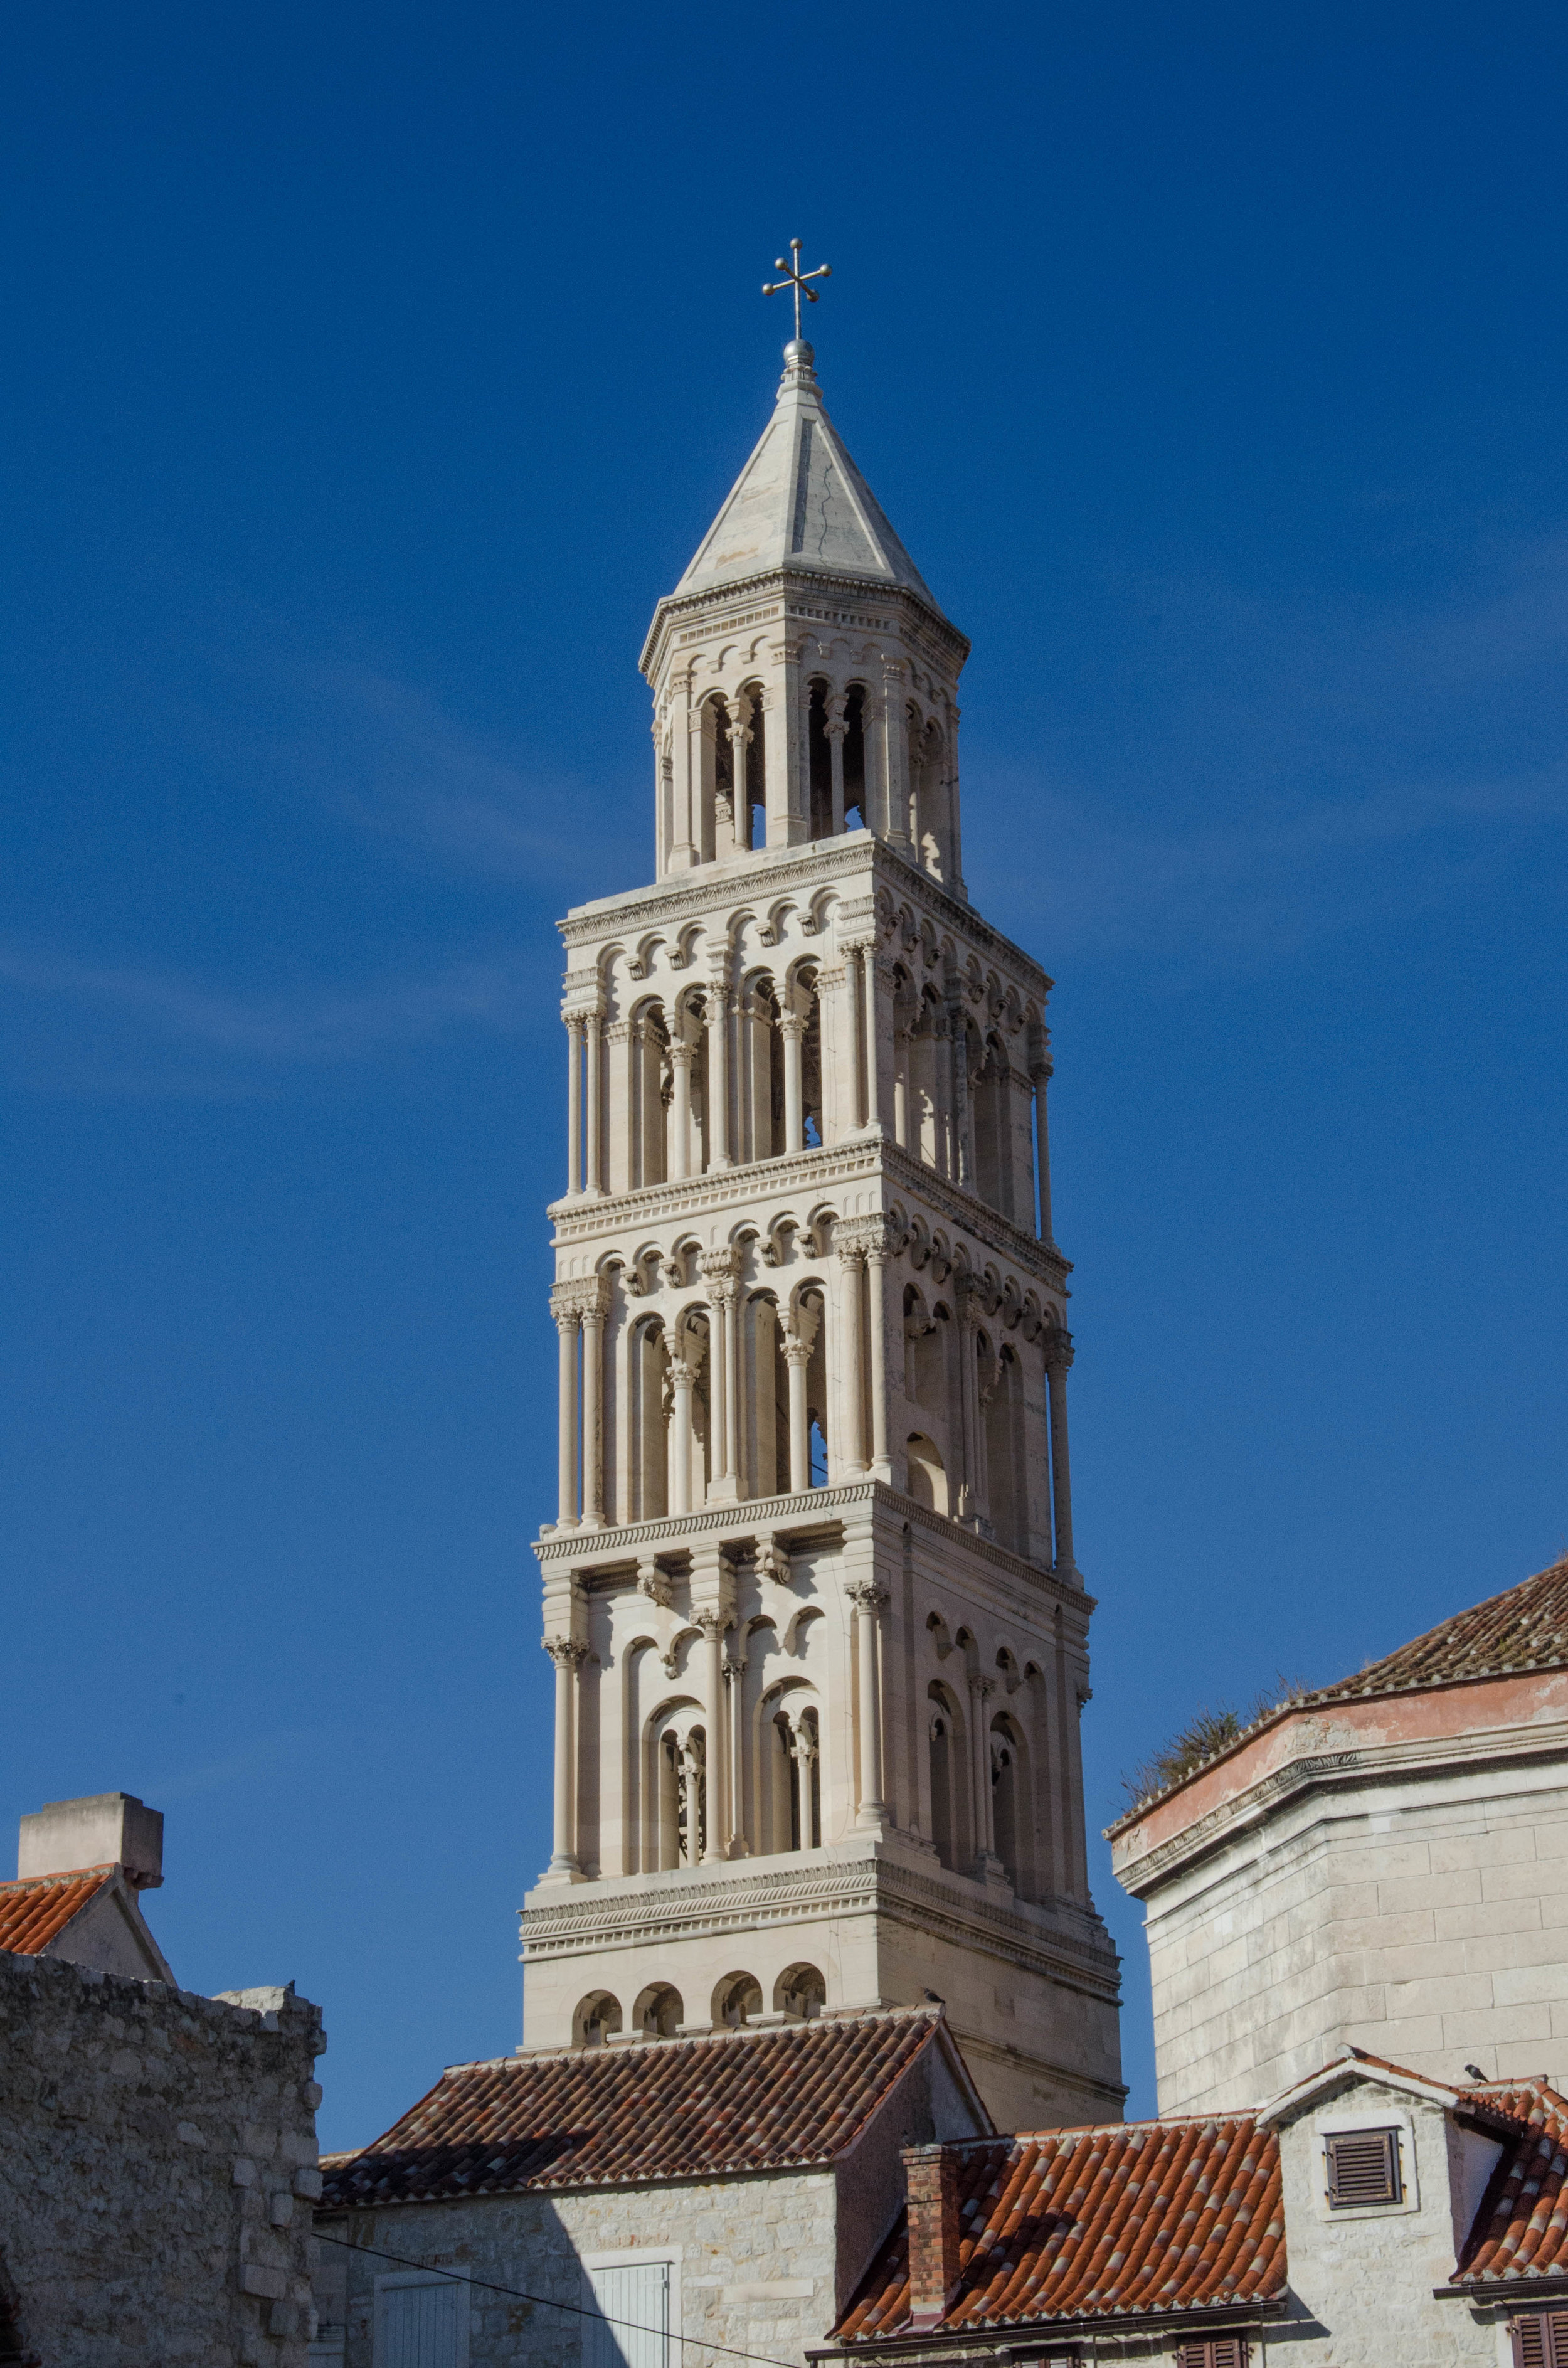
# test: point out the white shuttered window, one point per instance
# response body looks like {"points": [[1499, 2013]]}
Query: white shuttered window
{"points": [[422, 2326], [637, 2296]]}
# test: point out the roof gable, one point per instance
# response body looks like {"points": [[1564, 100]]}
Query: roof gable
{"points": [[1138, 2219], [735, 2103], [36, 1909]]}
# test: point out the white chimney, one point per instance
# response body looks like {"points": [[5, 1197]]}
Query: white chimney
{"points": [[104, 1829]]}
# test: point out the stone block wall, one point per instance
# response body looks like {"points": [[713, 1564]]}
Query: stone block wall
{"points": [[755, 2262], [157, 2169]]}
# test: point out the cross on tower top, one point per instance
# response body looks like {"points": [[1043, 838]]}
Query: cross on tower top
{"points": [[795, 279]]}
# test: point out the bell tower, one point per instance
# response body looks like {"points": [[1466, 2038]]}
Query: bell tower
{"points": [[819, 1642]]}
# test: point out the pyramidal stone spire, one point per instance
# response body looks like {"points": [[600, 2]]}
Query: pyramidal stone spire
{"points": [[801, 504]]}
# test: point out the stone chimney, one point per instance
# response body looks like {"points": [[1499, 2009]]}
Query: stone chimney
{"points": [[104, 1829], [932, 2174]]}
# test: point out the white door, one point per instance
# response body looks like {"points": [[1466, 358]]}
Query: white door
{"points": [[638, 2298], [419, 2325]]}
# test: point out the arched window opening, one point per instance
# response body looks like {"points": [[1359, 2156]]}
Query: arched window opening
{"points": [[765, 1441], [818, 1453], [724, 780], [820, 756], [810, 1002], [659, 2012], [1005, 1804], [803, 1745], [855, 814], [800, 1991], [939, 1733], [927, 1476], [1003, 1400], [684, 1798], [594, 2018], [754, 806], [648, 1416], [737, 1997]]}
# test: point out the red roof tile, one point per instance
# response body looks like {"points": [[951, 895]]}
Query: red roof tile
{"points": [[741, 2101], [33, 1912], [1526, 1627], [1140, 2218], [1521, 2230]]}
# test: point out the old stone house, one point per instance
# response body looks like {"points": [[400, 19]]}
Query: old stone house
{"points": [[1366, 2216], [157, 2150], [723, 2190], [1382, 1864]]}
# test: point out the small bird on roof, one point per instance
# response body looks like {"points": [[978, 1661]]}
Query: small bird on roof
{"points": [[1475, 2072]]}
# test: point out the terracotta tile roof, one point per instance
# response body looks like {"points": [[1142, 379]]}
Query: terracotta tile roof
{"points": [[1140, 2218], [741, 2100], [1521, 2230], [34, 1911], [1526, 1627]]}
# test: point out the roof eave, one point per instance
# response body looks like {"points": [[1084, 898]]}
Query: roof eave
{"points": [[753, 586]]}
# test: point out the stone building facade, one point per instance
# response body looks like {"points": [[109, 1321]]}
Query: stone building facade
{"points": [[1364, 2216], [1382, 1864], [819, 1634]]}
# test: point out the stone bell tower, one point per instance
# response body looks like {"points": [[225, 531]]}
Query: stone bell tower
{"points": [[819, 1642]]}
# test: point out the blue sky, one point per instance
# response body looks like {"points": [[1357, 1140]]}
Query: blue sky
{"points": [[368, 374]]}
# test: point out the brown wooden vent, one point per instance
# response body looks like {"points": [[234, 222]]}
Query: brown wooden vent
{"points": [[1540, 2339], [1363, 2167], [1219, 2352]]}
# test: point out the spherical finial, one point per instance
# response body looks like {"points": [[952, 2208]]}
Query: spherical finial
{"points": [[798, 354]]}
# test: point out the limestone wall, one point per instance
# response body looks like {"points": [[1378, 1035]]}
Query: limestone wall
{"points": [[1420, 1914], [158, 2162], [755, 2263]]}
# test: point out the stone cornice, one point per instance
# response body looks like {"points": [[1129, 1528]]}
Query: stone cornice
{"points": [[717, 1189], [812, 1509], [877, 1887], [816, 863], [780, 584], [1369, 1763]]}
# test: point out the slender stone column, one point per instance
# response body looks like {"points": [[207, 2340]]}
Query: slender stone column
{"points": [[734, 1685], [682, 1054], [565, 1306], [899, 1086], [568, 1658], [717, 1016], [595, 1181], [1041, 1072], [691, 1774], [717, 1756], [797, 1357], [681, 1381], [1058, 1356], [595, 1309], [851, 1266], [980, 1692], [877, 1290], [793, 1028], [869, 1024], [834, 728], [968, 1407], [868, 1599], [574, 1106]]}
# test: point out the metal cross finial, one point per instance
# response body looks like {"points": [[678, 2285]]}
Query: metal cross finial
{"points": [[795, 279]]}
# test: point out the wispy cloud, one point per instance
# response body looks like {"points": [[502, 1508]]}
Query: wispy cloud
{"points": [[267, 1033]]}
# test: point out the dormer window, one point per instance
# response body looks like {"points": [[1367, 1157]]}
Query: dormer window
{"points": [[1363, 2169], [1539, 2339]]}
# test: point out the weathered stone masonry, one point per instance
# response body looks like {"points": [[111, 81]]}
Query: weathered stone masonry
{"points": [[159, 2165]]}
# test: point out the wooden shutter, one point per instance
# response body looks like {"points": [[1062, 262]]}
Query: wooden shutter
{"points": [[1219, 2352], [1539, 2339], [420, 2325], [1363, 2167], [634, 2331]]}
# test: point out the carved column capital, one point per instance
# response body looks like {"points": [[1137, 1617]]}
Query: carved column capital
{"points": [[866, 1596], [1058, 1349], [981, 1687], [566, 1652], [712, 1622], [871, 1237]]}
